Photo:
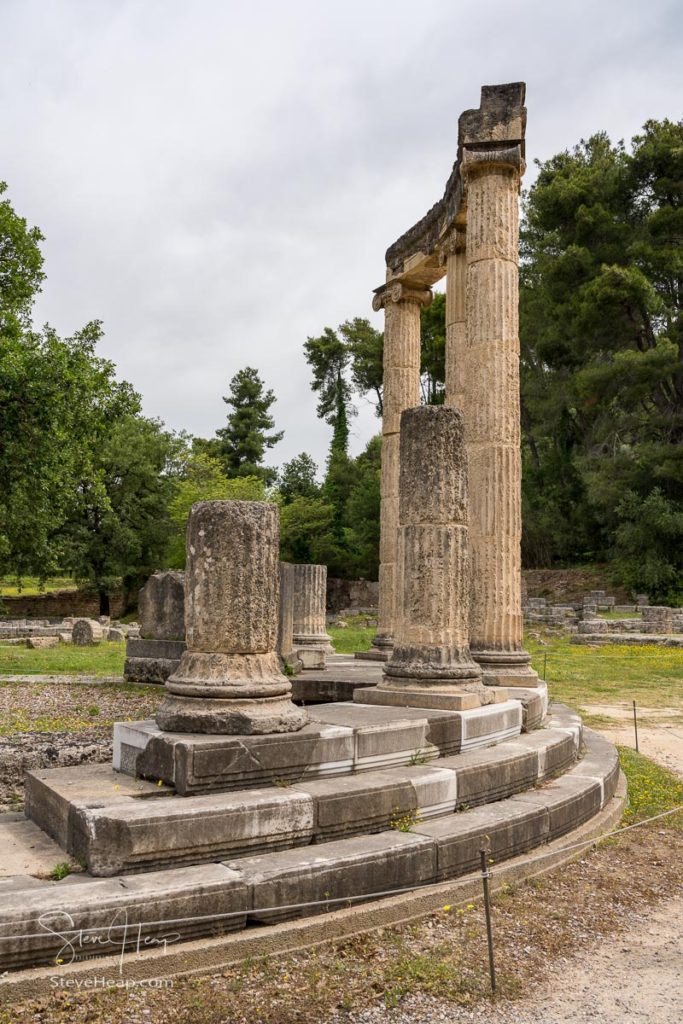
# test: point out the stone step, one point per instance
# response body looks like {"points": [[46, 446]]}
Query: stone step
{"points": [[44, 921], [340, 739], [127, 828]]}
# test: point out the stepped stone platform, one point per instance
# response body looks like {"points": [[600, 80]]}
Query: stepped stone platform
{"points": [[224, 860], [629, 639]]}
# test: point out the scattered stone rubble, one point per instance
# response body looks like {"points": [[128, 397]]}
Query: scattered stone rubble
{"points": [[36, 633]]}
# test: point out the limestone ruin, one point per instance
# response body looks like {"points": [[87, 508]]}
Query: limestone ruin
{"points": [[235, 807], [471, 236]]}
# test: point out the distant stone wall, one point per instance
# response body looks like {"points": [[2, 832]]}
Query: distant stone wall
{"points": [[568, 586], [59, 604], [351, 596]]}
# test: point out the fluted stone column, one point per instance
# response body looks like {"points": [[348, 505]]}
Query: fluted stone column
{"points": [[310, 599], [285, 626], [401, 390], [456, 267], [229, 678], [431, 655], [492, 418]]}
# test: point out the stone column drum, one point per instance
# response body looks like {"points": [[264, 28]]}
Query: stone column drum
{"points": [[311, 641], [401, 390], [431, 653], [492, 418], [229, 679]]}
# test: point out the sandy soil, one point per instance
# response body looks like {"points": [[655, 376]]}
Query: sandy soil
{"points": [[660, 732]]}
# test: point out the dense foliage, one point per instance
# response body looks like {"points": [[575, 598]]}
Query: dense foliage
{"points": [[602, 358], [90, 486]]}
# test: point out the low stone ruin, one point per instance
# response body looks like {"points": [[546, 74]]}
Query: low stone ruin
{"points": [[37, 633], [155, 654], [657, 624]]}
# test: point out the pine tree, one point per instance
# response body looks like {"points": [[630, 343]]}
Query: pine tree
{"points": [[242, 443]]}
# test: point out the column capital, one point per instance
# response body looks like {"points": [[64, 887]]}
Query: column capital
{"points": [[492, 157], [454, 242], [400, 292]]}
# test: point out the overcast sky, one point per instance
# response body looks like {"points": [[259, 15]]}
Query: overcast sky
{"points": [[218, 180]]}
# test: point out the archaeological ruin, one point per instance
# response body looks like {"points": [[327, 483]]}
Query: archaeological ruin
{"points": [[236, 807]]}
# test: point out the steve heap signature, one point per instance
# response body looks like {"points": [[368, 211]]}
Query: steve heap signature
{"points": [[118, 934]]}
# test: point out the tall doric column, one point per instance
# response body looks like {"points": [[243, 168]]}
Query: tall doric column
{"points": [[492, 425], [456, 266], [401, 390]]}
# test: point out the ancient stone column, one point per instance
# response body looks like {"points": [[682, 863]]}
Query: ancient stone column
{"points": [[492, 418], [229, 678], [431, 655], [285, 628], [311, 641], [456, 266], [401, 390]]}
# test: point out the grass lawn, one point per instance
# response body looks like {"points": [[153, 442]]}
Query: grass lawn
{"points": [[105, 659], [29, 586], [652, 676], [620, 615], [354, 638]]}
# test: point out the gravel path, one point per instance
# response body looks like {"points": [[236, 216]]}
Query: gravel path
{"points": [[637, 976]]}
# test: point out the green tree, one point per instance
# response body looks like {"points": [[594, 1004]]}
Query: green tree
{"points": [[21, 270], [362, 512], [202, 479], [119, 527], [602, 352], [297, 478], [306, 531], [246, 437], [366, 351], [433, 350], [57, 403], [329, 357]]}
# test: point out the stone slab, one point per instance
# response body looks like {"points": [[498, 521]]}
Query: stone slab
{"points": [[504, 830], [339, 679], [491, 724], [416, 699], [27, 850], [373, 655], [196, 763], [53, 795], [569, 801], [140, 835], [386, 736], [370, 801], [630, 639], [99, 916], [331, 874], [493, 773]]}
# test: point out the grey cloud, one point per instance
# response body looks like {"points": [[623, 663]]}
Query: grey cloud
{"points": [[217, 181]]}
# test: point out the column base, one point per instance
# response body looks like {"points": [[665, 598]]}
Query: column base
{"points": [[382, 646], [506, 668], [232, 694], [433, 677], [251, 717], [313, 641]]}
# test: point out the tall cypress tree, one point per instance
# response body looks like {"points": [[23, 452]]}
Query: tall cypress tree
{"points": [[242, 443]]}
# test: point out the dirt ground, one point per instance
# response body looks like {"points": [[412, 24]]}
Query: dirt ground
{"points": [[660, 732]]}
